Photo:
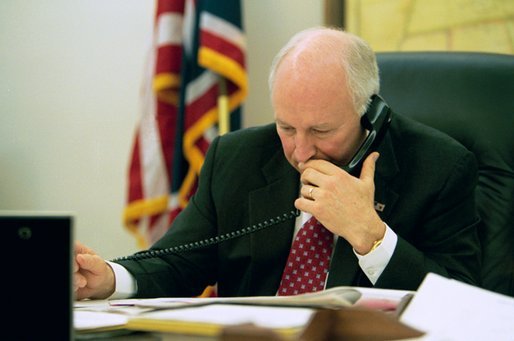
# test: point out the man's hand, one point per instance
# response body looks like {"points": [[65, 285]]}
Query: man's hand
{"points": [[342, 203], [92, 276]]}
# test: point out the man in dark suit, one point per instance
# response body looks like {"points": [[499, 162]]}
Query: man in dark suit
{"points": [[410, 212]]}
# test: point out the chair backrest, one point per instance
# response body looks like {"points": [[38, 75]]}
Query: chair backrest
{"points": [[469, 96]]}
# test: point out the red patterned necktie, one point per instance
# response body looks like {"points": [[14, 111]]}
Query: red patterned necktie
{"points": [[307, 266]]}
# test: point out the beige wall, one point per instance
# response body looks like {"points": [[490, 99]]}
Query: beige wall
{"points": [[70, 74], [269, 24]]}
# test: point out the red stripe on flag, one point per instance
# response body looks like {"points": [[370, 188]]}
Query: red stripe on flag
{"points": [[203, 145], [135, 188], [168, 59], [196, 109], [223, 46], [164, 6]]}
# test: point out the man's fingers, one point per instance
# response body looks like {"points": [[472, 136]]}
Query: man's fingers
{"points": [[92, 263], [368, 167], [322, 166], [316, 172], [79, 281]]}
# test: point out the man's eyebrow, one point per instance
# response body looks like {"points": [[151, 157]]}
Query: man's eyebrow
{"points": [[323, 126], [278, 121]]}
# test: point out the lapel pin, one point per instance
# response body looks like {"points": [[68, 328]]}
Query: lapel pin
{"points": [[379, 207]]}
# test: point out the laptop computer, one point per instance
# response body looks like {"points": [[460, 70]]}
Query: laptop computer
{"points": [[36, 280]]}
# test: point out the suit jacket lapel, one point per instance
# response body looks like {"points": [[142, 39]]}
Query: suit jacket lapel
{"points": [[386, 171], [271, 245]]}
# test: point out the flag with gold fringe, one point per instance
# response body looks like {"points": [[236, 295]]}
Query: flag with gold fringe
{"points": [[194, 88]]}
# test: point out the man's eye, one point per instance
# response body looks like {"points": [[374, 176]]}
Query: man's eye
{"points": [[320, 132]]}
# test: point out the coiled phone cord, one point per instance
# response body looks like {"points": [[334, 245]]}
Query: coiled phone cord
{"points": [[211, 241]]}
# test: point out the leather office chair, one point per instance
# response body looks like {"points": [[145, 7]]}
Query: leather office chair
{"points": [[469, 96]]}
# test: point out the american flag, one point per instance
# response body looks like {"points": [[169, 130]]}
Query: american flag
{"points": [[198, 50]]}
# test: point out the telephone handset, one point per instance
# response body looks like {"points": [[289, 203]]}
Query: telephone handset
{"points": [[376, 120]]}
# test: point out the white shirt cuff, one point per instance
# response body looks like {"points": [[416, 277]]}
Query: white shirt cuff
{"points": [[374, 263], [126, 285]]}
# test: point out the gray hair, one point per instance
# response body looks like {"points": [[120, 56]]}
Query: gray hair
{"points": [[357, 60]]}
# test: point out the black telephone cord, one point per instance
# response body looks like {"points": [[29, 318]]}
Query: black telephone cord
{"points": [[211, 241]]}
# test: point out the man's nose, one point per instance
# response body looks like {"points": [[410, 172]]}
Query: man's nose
{"points": [[304, 148]]}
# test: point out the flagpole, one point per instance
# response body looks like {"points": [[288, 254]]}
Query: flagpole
{"points": [[223, 112]]}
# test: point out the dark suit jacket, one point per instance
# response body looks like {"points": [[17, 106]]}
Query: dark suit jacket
{"points": [[424, 178]]}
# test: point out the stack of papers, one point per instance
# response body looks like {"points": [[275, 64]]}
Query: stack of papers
{"points": [[207, 316], [211, 319]]}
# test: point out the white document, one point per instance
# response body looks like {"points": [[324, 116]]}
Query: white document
{"points": [[94, 320], [217, 314], [229, 314], [105, 306], [447, 309]]}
